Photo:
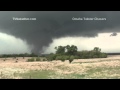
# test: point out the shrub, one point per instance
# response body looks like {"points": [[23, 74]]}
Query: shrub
{"points": [[66, 57], [44, 59], [103, 55], [58, 58], [31, 60], [51, 57], [62, 58], [76, 57], [95, 56], [71, 59], [38, 59]]}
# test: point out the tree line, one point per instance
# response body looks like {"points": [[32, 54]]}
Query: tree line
{"points": [[62, 53], [71, 52], [18, 55]]}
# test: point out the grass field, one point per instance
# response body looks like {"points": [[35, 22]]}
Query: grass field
{"points": [[99, 68]]}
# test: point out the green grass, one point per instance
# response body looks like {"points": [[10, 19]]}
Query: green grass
{"points": [[69, 76], [92, 73], [103, 73], [49, 74], [37, 74], [98, 73]]}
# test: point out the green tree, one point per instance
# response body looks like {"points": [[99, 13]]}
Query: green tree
{"points": [[71, 50], [91, 54], [58, 58], [60, 50], [97, 52], [96, 49], [51, 57], [66, 57], [84, 54]]}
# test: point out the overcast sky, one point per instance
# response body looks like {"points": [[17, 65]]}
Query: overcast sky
{"points": [[53, 28]]}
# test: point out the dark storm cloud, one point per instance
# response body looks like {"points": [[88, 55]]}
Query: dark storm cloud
{"points": [[55, 24]]}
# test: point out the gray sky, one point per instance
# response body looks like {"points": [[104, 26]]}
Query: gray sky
{"points": [[56, 24]]}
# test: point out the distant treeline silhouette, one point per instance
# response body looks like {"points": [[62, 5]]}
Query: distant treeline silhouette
{"points": [[18, 55], [113, 53]]}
